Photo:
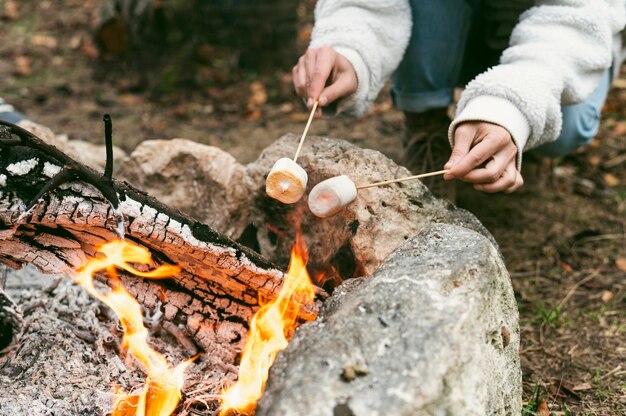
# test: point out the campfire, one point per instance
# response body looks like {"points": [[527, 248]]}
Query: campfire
{"points": [[273, 323], [435, 307]]}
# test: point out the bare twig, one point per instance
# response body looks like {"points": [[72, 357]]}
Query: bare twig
{"points": [[575, 287], [616, 161], [612, 372]]}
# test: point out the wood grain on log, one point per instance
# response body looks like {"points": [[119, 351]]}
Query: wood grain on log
{"points": [[218, 288]]}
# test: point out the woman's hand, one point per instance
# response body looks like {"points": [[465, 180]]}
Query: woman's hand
{"points": [[324, 74], [485, 155]]}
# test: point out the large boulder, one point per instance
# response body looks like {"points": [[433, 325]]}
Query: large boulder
{"points": [[434, 331], [357, 240], [202, 181]]}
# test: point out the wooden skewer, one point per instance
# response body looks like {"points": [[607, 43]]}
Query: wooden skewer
{"points": [[306, 130], [408, 178]]}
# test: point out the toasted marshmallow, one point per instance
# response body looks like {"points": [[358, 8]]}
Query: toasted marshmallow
{"points": [[330, 196], [286, 181]]}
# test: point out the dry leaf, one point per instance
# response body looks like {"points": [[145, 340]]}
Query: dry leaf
{"points": [[75, 41], [595, 160], [619, 129], [582, 386], [90, 49], [611, 180], [10, 10], [254, 115], [607, 296], [22, 65], [304, 34], [620, 262], [619, 83], [132, 99], [258, 95], [299, 117], [44, 40], [542, 409]]}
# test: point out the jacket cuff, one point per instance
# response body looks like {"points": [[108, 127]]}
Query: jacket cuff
{"points": [[498, 111], [354, 102]]}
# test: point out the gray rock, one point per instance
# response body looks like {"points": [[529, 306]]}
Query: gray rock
{"points": [[433, 332], [358, 239], [202, 181]]}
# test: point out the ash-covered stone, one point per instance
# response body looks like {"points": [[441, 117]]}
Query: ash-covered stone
{"points": [[425, 330]]}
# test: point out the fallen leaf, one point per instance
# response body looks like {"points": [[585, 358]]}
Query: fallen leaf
{"points": [[44, 40], [582, 386], [254, 115], [619, 129], [619, 83], [620, 262], [10, 10], [611, 180], [304, 34], [22, 65], [132, 99], [258, 95], [568, 268], [595, 143], [607, 296], [595, 160], [75, 41], [542, 409], [299, 117], [90, 49]]}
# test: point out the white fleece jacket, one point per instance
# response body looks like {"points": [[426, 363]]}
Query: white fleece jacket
{"points": [[557, 54]]}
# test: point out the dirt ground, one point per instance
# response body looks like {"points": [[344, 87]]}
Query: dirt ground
{"points": [[564, 240]]}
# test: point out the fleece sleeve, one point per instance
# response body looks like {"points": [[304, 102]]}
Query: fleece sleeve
{"points": [[372, 35], [558, 52]]}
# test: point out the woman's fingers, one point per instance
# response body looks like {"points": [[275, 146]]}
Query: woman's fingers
{"points": [[494, 168], [507, 181]]}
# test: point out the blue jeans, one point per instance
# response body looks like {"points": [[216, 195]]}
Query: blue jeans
{"points": [[449, 46]]}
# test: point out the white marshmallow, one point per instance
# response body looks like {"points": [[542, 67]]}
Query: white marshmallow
{"points": [[286, 181], [330, 196]]}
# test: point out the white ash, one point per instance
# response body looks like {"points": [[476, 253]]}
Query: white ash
{"points": [[3, 180], [51, 170], [22, 167]]}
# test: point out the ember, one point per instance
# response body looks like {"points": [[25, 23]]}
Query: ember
{"points": [[270, 329], [161, 392]]}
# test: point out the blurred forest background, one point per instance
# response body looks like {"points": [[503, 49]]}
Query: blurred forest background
{"points": [[219, 72]]}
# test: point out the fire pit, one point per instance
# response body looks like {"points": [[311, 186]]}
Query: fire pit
{"points": [[431, 327]]}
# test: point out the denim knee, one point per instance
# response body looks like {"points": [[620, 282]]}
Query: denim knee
{"points": [[580, 125]]}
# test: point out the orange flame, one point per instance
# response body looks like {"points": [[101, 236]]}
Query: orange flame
{"points": [[161, 392], [273, 323]]}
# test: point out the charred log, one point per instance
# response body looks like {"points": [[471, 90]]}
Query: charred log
{"points": [[55, 212]]}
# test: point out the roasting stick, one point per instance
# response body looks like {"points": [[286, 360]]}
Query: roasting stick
{"points": [[287, 180], [332, 195], [408, 178], [306, 130]]}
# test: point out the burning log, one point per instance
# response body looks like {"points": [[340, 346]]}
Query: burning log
{"points": [[55, 211]]}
